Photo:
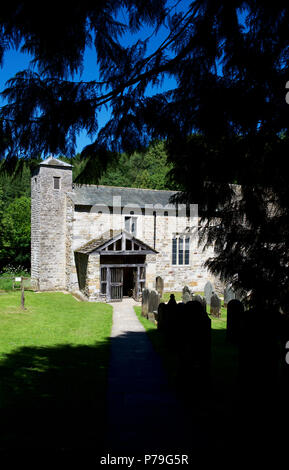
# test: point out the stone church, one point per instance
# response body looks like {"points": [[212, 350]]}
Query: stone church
{"points": [[110, 242]]}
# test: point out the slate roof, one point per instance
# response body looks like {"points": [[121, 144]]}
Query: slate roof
{"points": [[109, 235], [88, 195], [97, 242]]}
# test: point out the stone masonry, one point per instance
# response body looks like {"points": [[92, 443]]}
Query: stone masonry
{"points": [[65, 218]]}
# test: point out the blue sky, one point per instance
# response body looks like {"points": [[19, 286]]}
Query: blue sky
{"points": [[16, 61]]}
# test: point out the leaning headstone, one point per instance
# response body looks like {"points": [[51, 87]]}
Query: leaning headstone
{"points": [[215, 303], [208, 291], [229, 294], [235, 311], [160, 285], [153, 301], [145, 303]]}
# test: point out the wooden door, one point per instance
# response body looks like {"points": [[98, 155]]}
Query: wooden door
{"points": [[116, 284]]}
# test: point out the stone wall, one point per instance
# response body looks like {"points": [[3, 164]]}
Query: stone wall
{"points": [[151, 272], [35, 229], [48, 217], [72, 283], [88, 225], [93, 277], [58, 229]]}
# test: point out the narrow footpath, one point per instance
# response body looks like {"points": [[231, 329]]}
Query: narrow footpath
{"points": [[144, 414]]}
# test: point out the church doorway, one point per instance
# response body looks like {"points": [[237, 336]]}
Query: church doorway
{"points": [[122, 280], [129, 281], [122, 261]]}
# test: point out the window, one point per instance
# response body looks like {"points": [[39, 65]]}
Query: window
{"points": [[181, 250], [174, 251], [187, 250], [56, 182], [130, 224]]}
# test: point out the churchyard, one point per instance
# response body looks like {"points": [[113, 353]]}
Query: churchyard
{"points": [[224, 354], [53, 368], [54, 359], [225, 361]]}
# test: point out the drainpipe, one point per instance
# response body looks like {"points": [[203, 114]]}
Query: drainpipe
{"points": [[155, 228]]}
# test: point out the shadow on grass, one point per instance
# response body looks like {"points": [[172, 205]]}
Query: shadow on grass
{"points": [[54, 397], [238, 409]]}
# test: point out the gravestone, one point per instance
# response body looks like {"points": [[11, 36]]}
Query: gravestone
{"points": [[259, 355], [235, 312], [153, 316], [153, 301], [208, 291], [187, 296], [239, 295], [201, 300], [215, 303], [229, 294], [172, 301], [160, 285], [196, 342], [145, 303], [161, 316], [167, 324]]}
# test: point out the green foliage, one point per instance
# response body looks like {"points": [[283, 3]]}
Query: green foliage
{"points": [[228, 61], [14, 186], [15, 233], [147, 169], [15, 219]]}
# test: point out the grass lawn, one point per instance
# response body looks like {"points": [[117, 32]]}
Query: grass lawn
{"points": [[6, 283], [53, 370]]}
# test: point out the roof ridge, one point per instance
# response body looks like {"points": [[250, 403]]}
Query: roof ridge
{"points": [[75, 185], [51, 158]]}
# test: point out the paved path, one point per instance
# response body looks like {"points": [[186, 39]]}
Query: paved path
{"points": [[144, 415]]}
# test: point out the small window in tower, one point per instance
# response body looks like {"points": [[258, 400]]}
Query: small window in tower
{"points": [[56, 182]]}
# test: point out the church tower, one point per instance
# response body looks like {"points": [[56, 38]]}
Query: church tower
{"points": [[50, 182]]}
